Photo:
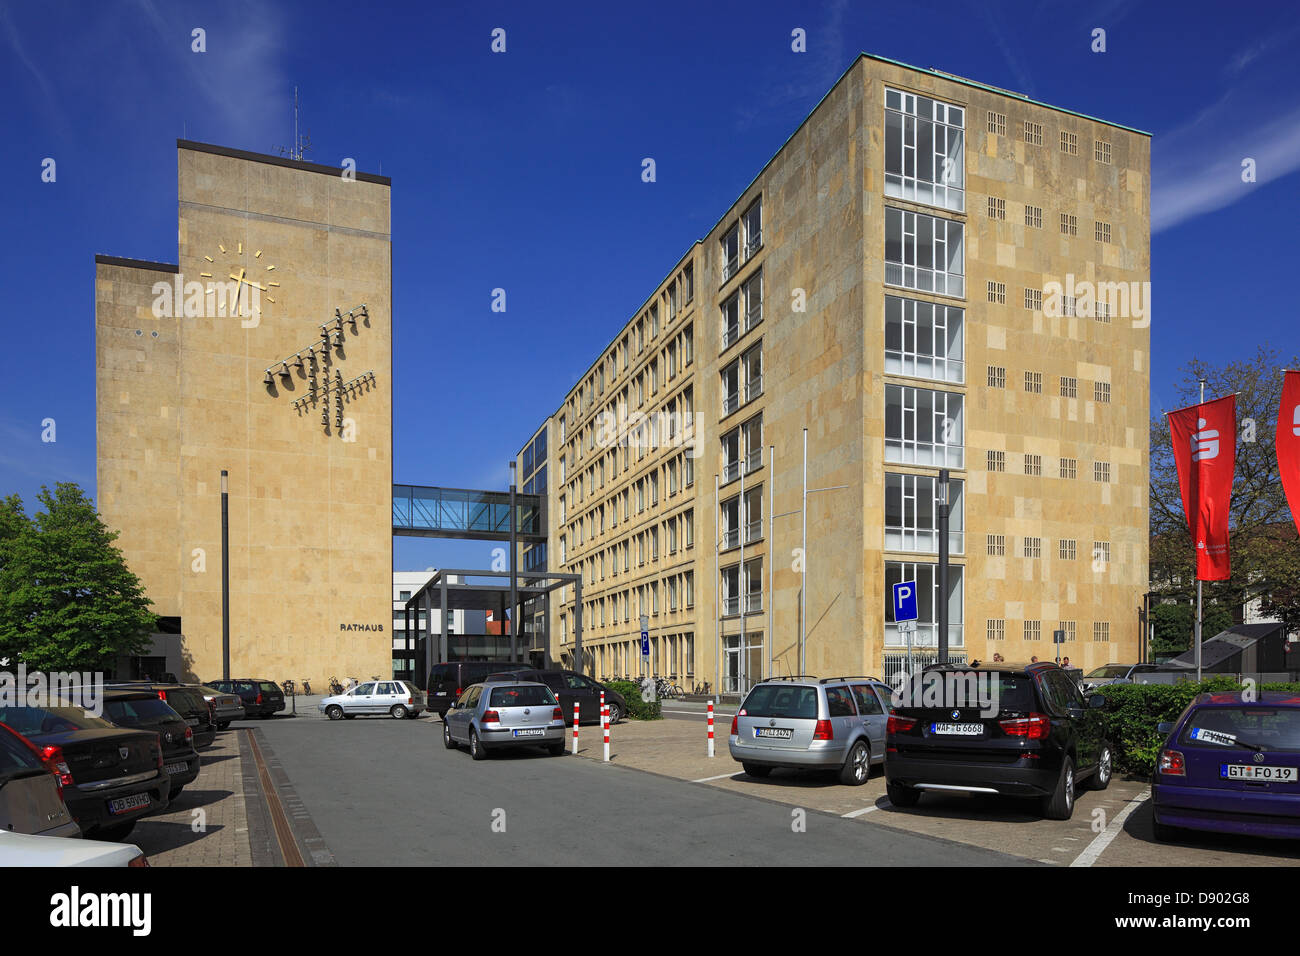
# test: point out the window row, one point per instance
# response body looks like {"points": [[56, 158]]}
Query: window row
{"points": [[996, 461], [742, 589], [1067, 549], [742, 240], [1032, 631], [671, 655], [1067, 386], [1032, 133], [670, 594]]}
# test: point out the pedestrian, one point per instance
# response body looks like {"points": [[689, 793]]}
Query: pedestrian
{"points": [[998, 659], [1065, 662], [1034, 659]]}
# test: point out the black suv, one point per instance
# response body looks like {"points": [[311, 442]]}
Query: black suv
{"points": [[187, 701], [448, 681], [145, 710], [261, 698], [1044, 738], [572, 688]]}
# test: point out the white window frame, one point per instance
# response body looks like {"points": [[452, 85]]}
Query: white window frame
{"points": [[916, 321]]}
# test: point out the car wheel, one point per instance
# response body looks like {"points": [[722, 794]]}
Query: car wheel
{"points": [[334, 712], [114, 834], [399, 712], [857, 766], [1060, 805], [476, 748], [223, 726], [615, 713], [901, 796], [556, 750], [1101, 778], [756, 770], [446, 736]]}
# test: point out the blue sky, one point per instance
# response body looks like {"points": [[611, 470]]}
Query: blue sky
{"points": [[522, 171]]}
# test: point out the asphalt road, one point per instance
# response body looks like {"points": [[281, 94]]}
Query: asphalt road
{"points": [[386, 792]]}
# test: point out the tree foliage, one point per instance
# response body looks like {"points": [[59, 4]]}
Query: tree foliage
{"points": [[67, 599], [1264, 546]]}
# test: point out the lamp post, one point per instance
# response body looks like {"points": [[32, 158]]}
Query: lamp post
{"points": [[514, 594], [942, 655], [225, 575]]}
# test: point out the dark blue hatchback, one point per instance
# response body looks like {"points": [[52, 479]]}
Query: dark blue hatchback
{"points": [[1231, 764]]}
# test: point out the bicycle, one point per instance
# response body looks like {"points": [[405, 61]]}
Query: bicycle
{"points": [[306, 687], [701, 689], [335, 687], [288, 688]]}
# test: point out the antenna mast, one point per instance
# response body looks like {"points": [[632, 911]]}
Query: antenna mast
{"points": [[301, 143]]}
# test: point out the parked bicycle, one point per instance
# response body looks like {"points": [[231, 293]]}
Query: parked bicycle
{"points": [[288, 688], [335, 687], [701, 688], [306, 687]]}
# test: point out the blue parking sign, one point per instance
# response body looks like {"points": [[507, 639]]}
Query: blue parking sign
{"points": [[645, 644], [905, 601]]}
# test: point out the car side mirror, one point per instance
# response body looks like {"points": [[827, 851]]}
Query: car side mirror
{"points": [[1097, 702], [1164, 727]]}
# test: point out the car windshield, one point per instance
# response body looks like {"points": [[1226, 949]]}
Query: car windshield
{"points": [[526, 695], [266, 686], [1243, 728], [781, 700], [15, 757], [139, 712], [1110, 670]]}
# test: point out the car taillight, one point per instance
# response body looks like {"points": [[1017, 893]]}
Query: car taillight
{"points": [[557, 714], [491, 717], [189, 733], [259, 698], [735, 725], [1033, 727], [162, 695], [1172, 763], [899, 725], [458, 691], [410, 700], [55, 762], [140, 860], [823, 731]]}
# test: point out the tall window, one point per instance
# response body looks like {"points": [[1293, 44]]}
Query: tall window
{"points": [[927, 602], [731, 455], [731, 589], [752, 361], [731, 320], [924, 339], [753, 294], [730, 252], [731, 388], [753, 434], [923, 427], [924, 253], [924, 150], [912, 514], [752, 222]]}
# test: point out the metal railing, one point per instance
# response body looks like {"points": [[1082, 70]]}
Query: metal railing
{"points": [[730, 333], [731, 605], [731, 471], [753, 388], [730, 402]]}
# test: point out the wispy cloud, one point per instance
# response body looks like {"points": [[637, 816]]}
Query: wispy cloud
{"points": [[51, 103]]}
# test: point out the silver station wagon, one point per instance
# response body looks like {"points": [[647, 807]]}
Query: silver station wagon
{"points": [[837, 723], [397, 698], [496, 715]]}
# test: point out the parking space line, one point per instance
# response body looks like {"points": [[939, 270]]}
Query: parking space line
{"points": [[858, 813], [1103, 839], [718, 777]]}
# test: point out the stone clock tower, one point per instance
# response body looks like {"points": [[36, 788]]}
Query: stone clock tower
{"points": [[264, 351]]}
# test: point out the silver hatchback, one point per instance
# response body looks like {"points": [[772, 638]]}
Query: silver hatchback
{"points": [[398, 698], [498, 714], [836, 723]]}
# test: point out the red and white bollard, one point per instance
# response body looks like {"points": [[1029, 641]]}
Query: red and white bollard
{"points": [[604, 723], [710, 728], [575, 726]]}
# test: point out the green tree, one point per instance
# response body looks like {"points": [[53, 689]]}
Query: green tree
{"points": [[1174, 625], [67, 599], [1264, 546]]}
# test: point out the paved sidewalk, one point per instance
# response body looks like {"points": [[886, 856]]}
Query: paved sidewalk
{"points": [[207, 825]]}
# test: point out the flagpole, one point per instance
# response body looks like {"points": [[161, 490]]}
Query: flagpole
{"points": [[1198, 590]]}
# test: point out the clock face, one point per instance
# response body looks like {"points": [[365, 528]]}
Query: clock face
{"points": [[242, 278]]}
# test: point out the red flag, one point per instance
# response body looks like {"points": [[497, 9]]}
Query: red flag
{"points": [[1288, 442], [1205, 451]]}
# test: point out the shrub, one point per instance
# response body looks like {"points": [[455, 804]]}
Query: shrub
{"points": [[1135, 710], [637, 709]]}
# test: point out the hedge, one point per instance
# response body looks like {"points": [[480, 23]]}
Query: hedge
{"points": [[637, 709], [1134, 711]]}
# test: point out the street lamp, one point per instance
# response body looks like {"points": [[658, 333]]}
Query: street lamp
{"points": [[514, 595], [225, 575], [942, 500]]}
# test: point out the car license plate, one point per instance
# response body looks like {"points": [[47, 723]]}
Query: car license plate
{"points": [[539, 732], [173, 768], [1240, 771], [957, 730], [777, 733], [124, 804], [192, 721]]}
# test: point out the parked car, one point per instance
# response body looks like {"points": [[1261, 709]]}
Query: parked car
{"points": [[110, 776], [448, 681], [1230, 765], [225, 707], [1116, 674], [397, 698], [23, 850], [31, 797], [261, 698], [571, 687], [1044, 739], [187, 701], [145, 710], [492, 716], [836, 723]]}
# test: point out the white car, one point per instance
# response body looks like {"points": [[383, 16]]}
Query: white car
{"points": [[23, 849], [397, 698]]}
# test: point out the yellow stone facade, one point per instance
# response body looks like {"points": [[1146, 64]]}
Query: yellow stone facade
{"points": [[182, 394], [1045, 391]]}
